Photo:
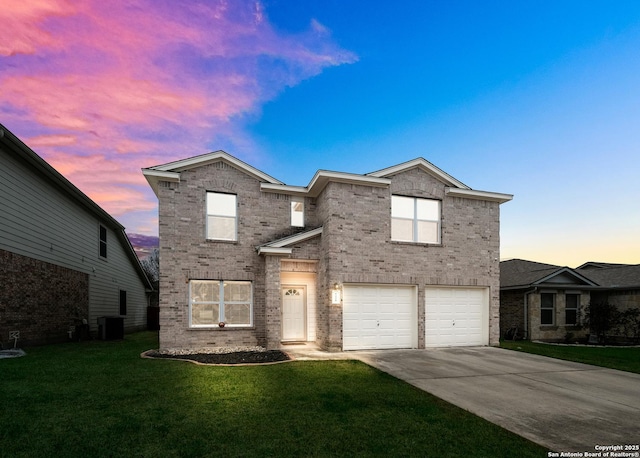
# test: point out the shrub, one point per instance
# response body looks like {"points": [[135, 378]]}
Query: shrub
{"points": [[629, 324], [602, 318]]}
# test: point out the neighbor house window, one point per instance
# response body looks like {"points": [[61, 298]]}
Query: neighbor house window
{"points": [[415, 220], [103, 241], [222, 216], [572, 303], [547, 302], [123, 302], [297, 212], [214, 301]]}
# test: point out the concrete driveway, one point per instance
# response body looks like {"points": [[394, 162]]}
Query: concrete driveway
{"points": [[561, 405]]}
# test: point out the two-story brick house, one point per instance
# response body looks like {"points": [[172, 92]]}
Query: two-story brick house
{"points": [[405, 257]]}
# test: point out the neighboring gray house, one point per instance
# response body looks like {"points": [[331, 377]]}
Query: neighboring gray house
{"points": [[548, 302], [63, 259], [405, 257]]}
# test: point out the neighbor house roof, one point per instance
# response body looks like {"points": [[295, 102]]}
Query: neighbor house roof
{"points": [[519, 273], [619, 276], [598, 265], [171, 172], [29, 156]]}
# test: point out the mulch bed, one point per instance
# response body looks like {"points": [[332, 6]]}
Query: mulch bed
{"points": [[238, 357]]}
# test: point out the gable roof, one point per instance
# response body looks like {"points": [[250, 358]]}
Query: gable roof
{"points": [[26, 154], [519, 273], [171, 170], [284, 245], [423, 165]]}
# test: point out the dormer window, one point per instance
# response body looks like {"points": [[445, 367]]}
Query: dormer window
{"points": [[297, 212]]}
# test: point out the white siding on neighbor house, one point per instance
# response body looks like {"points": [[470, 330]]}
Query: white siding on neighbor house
{"points": [[41, 221]]}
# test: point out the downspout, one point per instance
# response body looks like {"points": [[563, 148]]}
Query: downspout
{"points": [[526, 312]]}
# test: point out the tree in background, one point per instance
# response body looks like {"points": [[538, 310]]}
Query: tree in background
{"points": [[151, 266]]}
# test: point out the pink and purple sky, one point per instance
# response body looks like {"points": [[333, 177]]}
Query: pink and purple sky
{"points": [[537, 99]]}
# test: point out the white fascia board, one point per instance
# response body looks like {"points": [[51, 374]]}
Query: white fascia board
{"points": [[322, 177], [185, 164], [426, 166], [154, 176], [274, 251], [284, 189], [293, 239], [479, 195]]}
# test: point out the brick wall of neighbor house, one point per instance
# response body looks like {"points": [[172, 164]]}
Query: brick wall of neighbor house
{"points": [[357, 247], [559, 330], [512, 311], [624, 300], [39, 299]]}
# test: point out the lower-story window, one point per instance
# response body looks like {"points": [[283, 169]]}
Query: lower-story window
{"points": [[214, 301], [572, 303], [547, 303]]}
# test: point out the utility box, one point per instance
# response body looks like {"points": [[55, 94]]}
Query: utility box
{"points": [[111, 328]]}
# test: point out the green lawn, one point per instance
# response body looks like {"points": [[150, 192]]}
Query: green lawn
{"points": [[624, 359], [101, 399]]}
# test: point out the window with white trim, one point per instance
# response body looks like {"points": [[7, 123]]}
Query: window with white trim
{"points": [[214, 301], [572, 303], [297, 212], [547, 307], [415, 220], [222, 216]]}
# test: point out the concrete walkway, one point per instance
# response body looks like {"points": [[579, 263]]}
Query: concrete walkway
{"points": [[561, 405]]}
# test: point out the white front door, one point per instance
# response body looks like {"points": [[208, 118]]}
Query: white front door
{"points": [[294, 305]]}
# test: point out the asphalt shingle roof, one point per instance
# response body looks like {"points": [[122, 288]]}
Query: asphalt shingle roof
{"points": [[519, 272]]}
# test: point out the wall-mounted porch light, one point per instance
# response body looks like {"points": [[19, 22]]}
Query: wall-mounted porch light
{"points": [[336, 298]]}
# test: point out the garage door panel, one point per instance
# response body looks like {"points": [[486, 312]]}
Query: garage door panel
{"points": [[379, 317], [456, 316]]}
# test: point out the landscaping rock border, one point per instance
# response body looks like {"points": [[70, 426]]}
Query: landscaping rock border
{"points": [[220, 357]]}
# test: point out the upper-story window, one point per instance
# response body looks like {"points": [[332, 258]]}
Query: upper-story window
{"points": [[222, 216], [297, 212], [103, 241], [415, 220]]}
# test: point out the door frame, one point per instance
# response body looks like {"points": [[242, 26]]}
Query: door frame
{"points": [[303, 288]]}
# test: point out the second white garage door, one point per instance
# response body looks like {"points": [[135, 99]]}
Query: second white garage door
{"points": [[456, 316], [379, 317]]}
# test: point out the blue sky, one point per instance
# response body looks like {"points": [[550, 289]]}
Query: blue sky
{"points": [[537, 99]]}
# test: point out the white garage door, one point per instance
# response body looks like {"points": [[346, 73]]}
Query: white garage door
{"points": [[456, 316], [379, 316]]}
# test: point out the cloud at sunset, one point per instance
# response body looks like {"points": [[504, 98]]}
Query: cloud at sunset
{"points": [[101, 89]]}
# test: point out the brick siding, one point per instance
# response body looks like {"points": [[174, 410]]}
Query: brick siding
{"points": [[39, 299], [355, 246]]}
